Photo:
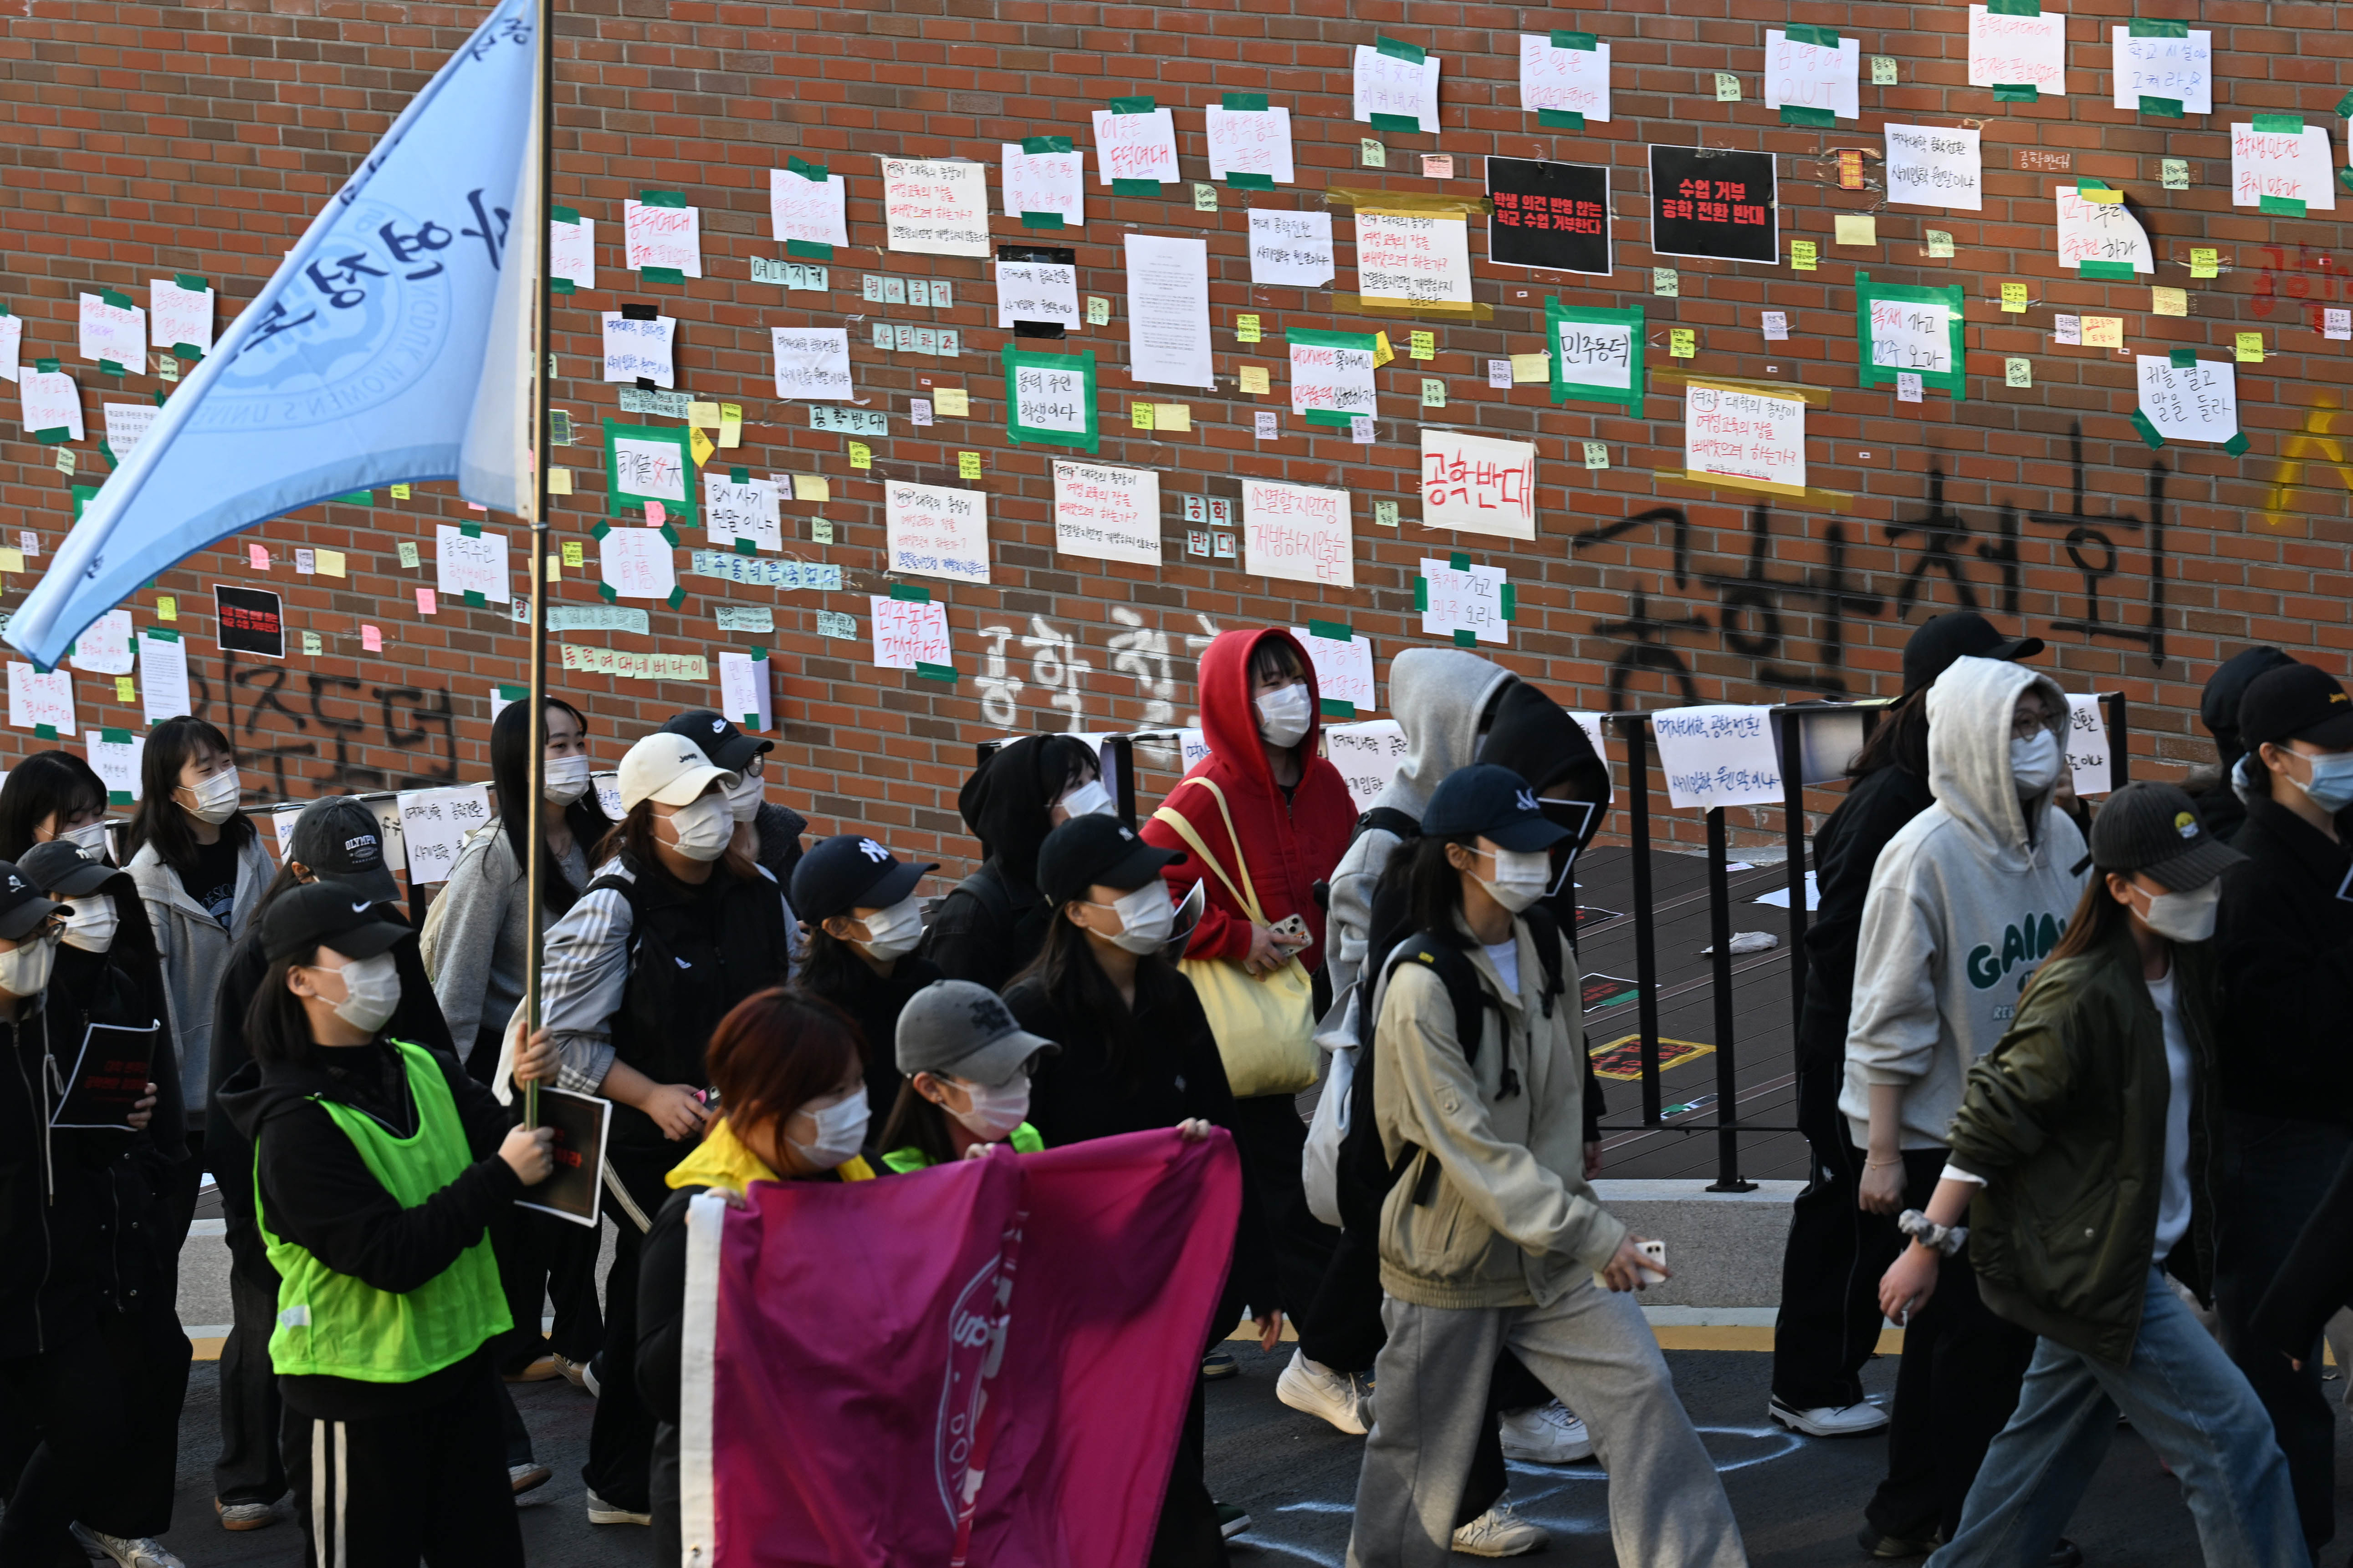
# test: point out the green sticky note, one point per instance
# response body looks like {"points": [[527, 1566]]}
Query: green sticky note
{"points": [[2183, 359], [1561, 41], [1561, 118], [2112, 271], [1795, 114], [470, 530], [1463, 639], [809, 249], [109, 367], [2147, 431], [1332, 631], [367, 498], [661, 275], [910, 593], [559, 286], [120, 302], [193, 282], [188, 351], [1249, 182], [1135, 187], [45, 366], [54, 436], [739, 476], [1409, 123], [1335, 709], [1395, 50], [1458, 560], [115, 737], [512, 693], [937, 672], [600, 530], [746, 547], [2236, 445], [44, 731], [2014, 92], [474, 600], [1821, 38], [1131, 106], [2280, 124], [1508, 601], [2282, 207], [814, 173], [661, 198], [2164, 108], [2146, 29], [1042, 220], [1421, 593], [2014, 7], [1045, 144], [565, 215], [1243, 103]]}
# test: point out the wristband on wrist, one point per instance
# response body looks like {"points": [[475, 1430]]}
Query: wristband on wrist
{"points": [[1944, 1239]]}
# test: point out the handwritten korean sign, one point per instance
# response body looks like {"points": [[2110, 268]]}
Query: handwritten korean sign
{"points": [[1301, 533], [936, 531], [934, 207], [1108, 513], [1750, 436], [1720, 755], [662, 237], [1478, 484], [907, 634]]}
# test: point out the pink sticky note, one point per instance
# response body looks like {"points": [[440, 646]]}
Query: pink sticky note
{"points": [[257, 556], [372, 638], [424, 605], [475, 506], [654, 515]]}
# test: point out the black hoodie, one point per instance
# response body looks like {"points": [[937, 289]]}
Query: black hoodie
{"points": [[2219, 807], [1535, 737], [993, 921]]}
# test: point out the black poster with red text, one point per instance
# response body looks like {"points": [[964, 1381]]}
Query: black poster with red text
{"points": [[1554, 215], [1716, 205]]}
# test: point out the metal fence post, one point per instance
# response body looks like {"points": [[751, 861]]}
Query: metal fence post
{"points": [[2119, 740], [1719, 925], [1793, 842], [1633, 726]]}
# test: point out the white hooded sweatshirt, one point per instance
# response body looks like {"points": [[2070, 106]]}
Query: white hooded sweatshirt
{"points": [[1964, 905]]}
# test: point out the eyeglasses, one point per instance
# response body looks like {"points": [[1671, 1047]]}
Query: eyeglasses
{"points": [[2027, 728]]}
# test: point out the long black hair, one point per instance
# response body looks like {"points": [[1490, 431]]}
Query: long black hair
{"points": [[277, 1028], [511, 782], [1434, 888], [830, 967], [45, 785], [919, 1123], [158, 818], [1900, 740], [1073, 980]]}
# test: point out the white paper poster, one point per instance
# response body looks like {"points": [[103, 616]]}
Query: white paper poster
{"points": [[464, 563], [1746, 435], [636, 563], [1291, 249], [1045, 183], [177, 315], [936, 531], [1343, 669], [434, 823], [11, 346], [1934, 167], [649, 468], [2181, 69], [2201, 403], [2019, 51], [1807, 76], [1330, 380], [571, 252], [36, 699], [2087, 745], [1135, 146], [112, 333], [934, 207], [1106, 513], [1251, 141], [1387, 85], [814, 212], [636, 349], [744, 694], [812, 363], [1424, 261], [1037, 292], [1574, 80], [1366, 756], [1908, 334], [162, 676], [2272, 164], [1718, 756], [116, 763], [50, 401], [1466, 600], [907, 633], [662, 237], [104, 646], [1168, 310], [1597, 354], [1301, 533], [126, 427], [1478, 484], [732, 512], [2097, 231]]}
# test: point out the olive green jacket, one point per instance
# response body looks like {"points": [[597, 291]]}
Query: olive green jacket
{"points": [[2065, 1119]]}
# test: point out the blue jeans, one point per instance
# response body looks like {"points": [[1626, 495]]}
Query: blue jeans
{"points": [[2182, 1394]]}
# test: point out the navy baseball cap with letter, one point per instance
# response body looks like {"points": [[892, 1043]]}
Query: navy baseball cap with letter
{"points": [[1491, 802], [850, 871]]}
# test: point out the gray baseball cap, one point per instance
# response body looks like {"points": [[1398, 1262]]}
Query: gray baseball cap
{"points": [[962, 1030]]}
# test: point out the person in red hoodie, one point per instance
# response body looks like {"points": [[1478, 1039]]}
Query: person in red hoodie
{"points": [[1291, 820]]}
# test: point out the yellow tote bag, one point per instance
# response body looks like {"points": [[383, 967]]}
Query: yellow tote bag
{"points": [[1264, 1024]]}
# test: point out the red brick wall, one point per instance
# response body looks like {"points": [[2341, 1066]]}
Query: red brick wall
{"points": [[143, 139]]}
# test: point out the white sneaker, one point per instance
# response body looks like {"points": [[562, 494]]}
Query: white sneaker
{"points": [[1500, 1532], [1548, 1435], [603, 1512], [1314, 1388], [531, 1477], [1830, 1420], [139, 1553]]}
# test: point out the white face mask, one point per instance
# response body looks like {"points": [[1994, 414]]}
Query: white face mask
{"points": [[1284, 715], [217, 797], [567, 780], [701, 829], [1145, 918], [89, 838], [2182, 916], [841, 1132], [370, 990], [1521, 878], [996, 1112], [24, 969], [2035, 764], [91, 925], [894, 933], [743, 800], [1090, 799]]}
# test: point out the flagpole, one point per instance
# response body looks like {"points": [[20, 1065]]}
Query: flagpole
{"points": [[541, 451]]}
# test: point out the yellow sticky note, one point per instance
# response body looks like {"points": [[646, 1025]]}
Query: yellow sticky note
{"points": [[12, 560], [949, 402], [125, 690], [1802, 253], [66, 460], [2205, 261], [330, 563], [1857, 229], [1173, 416], [555, 569], [1530, 367], [167, 608], [1433, 392], [967, 464], [1246, 329], [2104, 331], [559, 482], [574, 554], [731, 425], [701, 445], [2250, 348], [2101, 198], [1254, 378], [1382, 353], [862, 456], [1140, 415], [408, 556], [1424, 345], [2169, 301], [1682, 341], [400, 493], [2013, 298], [703, 416], [813, 487]]}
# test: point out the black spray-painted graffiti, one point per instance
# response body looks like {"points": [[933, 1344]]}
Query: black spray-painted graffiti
{"points": [[416, 722]]}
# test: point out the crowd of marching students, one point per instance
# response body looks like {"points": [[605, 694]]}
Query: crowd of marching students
{"points": [[2077, 1088]]}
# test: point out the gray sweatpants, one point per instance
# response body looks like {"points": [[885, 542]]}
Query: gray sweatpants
{"points": [[1592, 1348]]}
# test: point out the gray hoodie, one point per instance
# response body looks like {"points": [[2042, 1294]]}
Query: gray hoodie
{"points": [[1442, 698], [1963, 906]]}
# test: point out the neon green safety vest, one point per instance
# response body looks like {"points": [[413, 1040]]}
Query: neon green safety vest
{"points": [[1024, 1139], [336, 1325]]}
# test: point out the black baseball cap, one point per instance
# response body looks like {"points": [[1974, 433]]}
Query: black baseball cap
{"points": [[1959, 633], [721, 741], [22, 903], [2218, 705], [328, 914], [1087, 850], [2155, 828], [2295, 702], [1492, 803], [850, 871], [339, 839], [61, 866]]}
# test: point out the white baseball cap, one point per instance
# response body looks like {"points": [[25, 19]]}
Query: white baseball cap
{"points": [[669, 769]]}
